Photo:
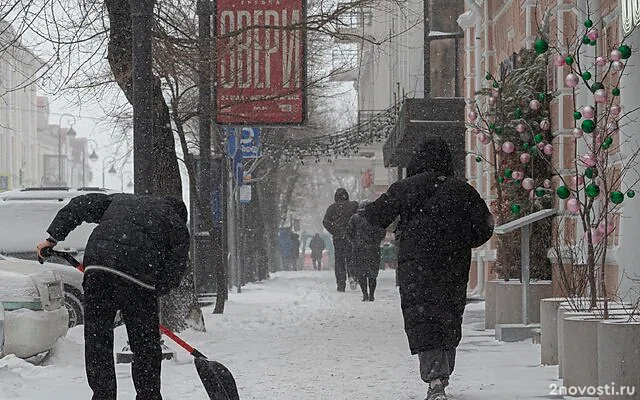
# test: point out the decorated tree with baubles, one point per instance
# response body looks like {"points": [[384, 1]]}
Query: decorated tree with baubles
{"points": [[511, 121], [592, 192]]}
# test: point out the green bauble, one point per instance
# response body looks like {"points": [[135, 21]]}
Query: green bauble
{"points": [[540, 46], [608, 141], [525, 145], [577, 115], [478, 159], [596, 86], [625, 50], [540, 192], [500, 179], [588, 126], [586, 75], [488, 77], [605, 146], [615, 91], [498, 130], [588, 23], [592, 190], [631, 194], [517, 113], [533, 151], [588, 172], [585, 39], [538, 138], [592, 43], [541, 96], [492, 127], [517, 182], [616, 197], [563, 192], [496, 85], [508, 172], [515, 208], [569, 60]]}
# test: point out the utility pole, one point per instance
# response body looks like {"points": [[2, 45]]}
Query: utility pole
{"points": [[142, 61]]}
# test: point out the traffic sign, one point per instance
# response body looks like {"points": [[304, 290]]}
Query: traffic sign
{"points": [[250, 142]]}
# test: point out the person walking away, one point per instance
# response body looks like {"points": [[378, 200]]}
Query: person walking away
{"points": [[295, 250], [285, 245], [138, 251], [365, 239], [317, 246], [441, 219], [335, 221]]}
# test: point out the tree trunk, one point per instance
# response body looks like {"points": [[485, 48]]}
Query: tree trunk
{"points": [[164, 173]]}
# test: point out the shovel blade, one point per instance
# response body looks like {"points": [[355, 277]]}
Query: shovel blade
{"points": [[216, 379]]}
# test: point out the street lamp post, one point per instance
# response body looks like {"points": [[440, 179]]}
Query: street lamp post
{"points": [[112, 170], [93, 157], [70, 133]]}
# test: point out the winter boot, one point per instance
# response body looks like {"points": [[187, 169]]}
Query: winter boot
{"points": [[436, 392], [371, 298]]}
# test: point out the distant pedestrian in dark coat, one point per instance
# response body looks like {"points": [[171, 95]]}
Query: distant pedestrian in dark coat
{"points": [[335, 221], [365, 239], [138, 251], [441, 219], [286, 247], [317, 246], [295, 250]]}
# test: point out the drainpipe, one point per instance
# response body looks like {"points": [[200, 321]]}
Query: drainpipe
{"points": [[480, 20]]}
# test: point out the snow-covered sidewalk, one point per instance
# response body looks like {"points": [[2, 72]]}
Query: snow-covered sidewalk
{"points": [[295, 337]]}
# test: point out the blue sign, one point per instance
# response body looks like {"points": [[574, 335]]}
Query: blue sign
{"points": [[250, 143], [4, 183], [235, 155]]}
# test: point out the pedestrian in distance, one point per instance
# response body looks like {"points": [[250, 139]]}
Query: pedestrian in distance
{"points": [[317, 246], [441, 219], [335, 221], [295, 250], [365, 239], [138, 251]]}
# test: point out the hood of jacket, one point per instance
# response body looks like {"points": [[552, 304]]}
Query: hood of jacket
{"points": [[431, 155], [341, 195]]}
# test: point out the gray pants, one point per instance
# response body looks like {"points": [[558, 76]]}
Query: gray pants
{"points": [[437, 364]]}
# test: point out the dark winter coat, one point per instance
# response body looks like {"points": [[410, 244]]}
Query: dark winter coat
{"points": [[317, 245], [144, 237], [365, 239], [441, 220], [336, 218]]}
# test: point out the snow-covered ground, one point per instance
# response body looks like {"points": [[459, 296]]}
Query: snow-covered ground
{"points": [[295, 337]]}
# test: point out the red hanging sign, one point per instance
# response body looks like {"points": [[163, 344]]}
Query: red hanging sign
{"points": [[261, 62]]}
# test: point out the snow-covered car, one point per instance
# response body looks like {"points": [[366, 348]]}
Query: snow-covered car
{"points": [[25, 215], [34, 313]]}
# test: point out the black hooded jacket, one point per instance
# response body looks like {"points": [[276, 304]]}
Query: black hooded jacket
{"points": [[441, 219], [142, 236], [336, 218]]}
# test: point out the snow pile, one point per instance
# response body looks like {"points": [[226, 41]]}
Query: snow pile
{"points": [[295, 337], [16, 287]]}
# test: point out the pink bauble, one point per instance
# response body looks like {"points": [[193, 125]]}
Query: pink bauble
{"points": [[508, 147], [596, 236], [615, 55], [534, 105], [589, 160], [577, 133], [559, 61], [495, 93], [571, 80], [525, 158], [473, 116], [615, 110], [484, 138], [545, 125], [532, 194], [548, 149], [600, 96], [601, 61], [587, 112], [617, 66], [573, 205], [610, 227], [492, 101], [592, 34], [528, 183], [521, 128], [546, 183], [541, 145], [518, 175]]}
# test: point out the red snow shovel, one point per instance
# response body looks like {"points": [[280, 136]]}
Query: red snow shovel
{"points": [[216, 378]]}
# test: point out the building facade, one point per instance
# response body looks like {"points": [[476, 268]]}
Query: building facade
{"points": [[33, 152], [496, 30]]}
